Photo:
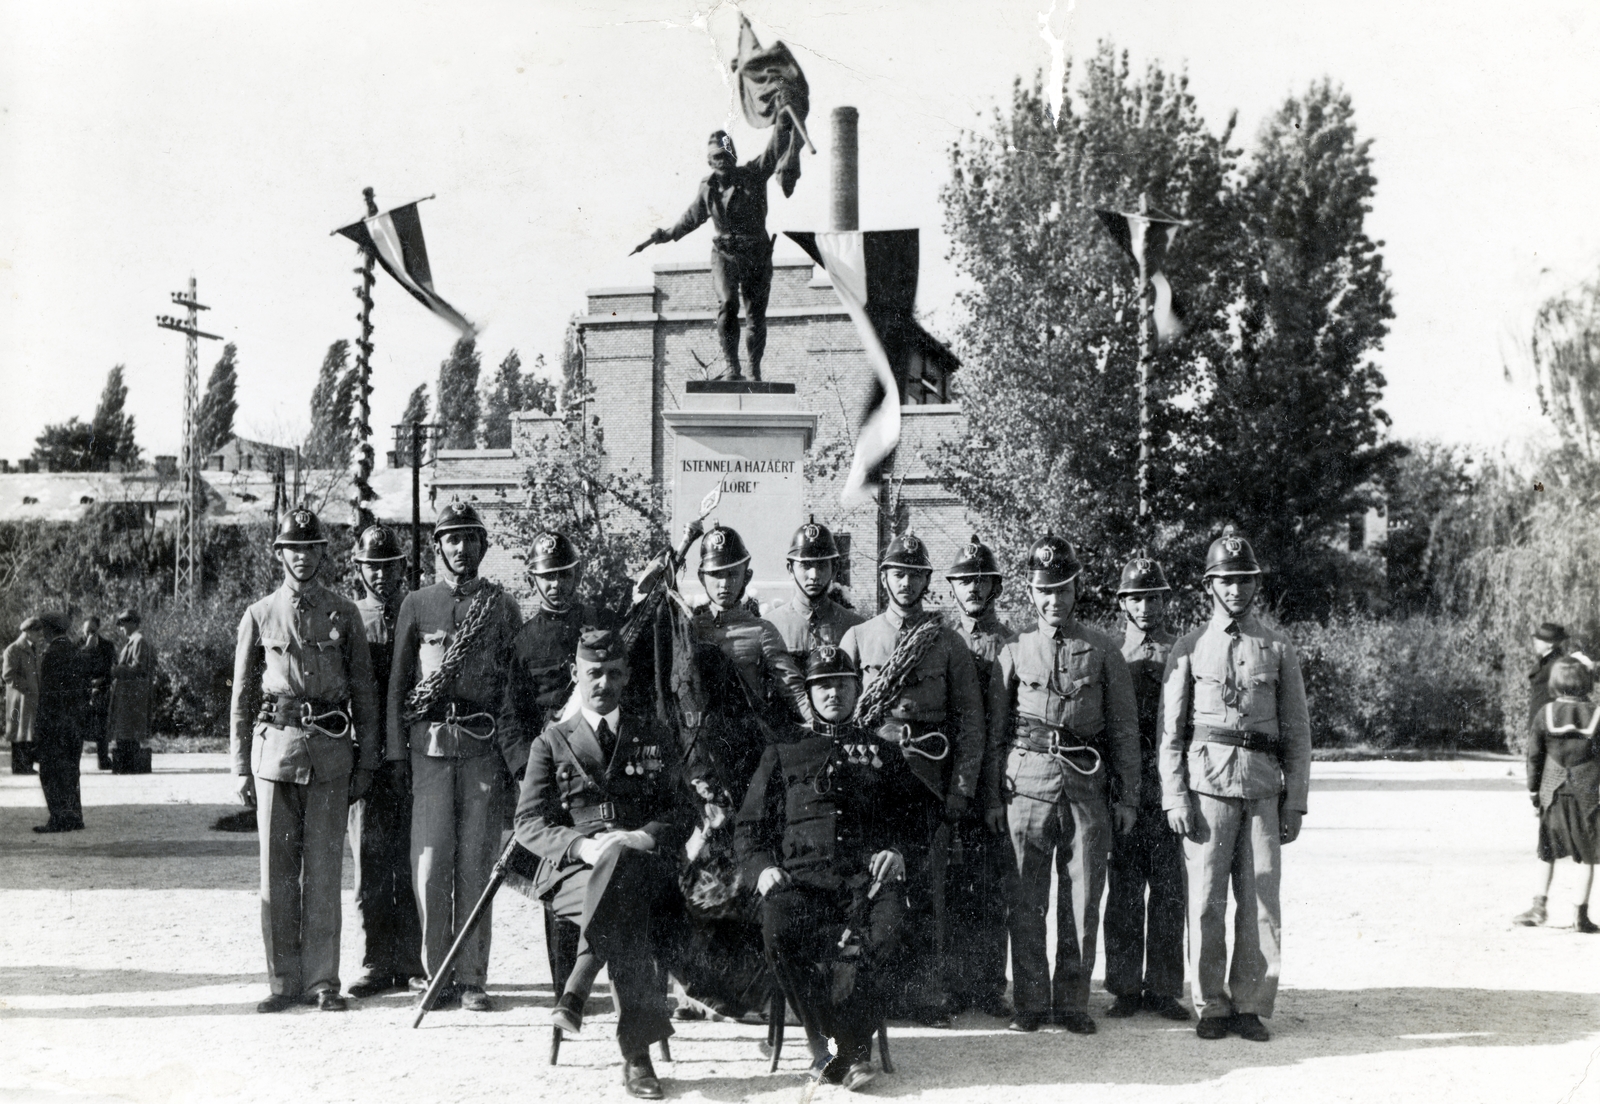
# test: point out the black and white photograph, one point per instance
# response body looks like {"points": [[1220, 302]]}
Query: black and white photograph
{"points": [[786, 550]]}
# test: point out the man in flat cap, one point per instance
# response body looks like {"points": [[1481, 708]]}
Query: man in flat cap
{"points": [[305, 745], [1549, 645], [58, 728], [734, 198], [450, 733], [132, 687], [600, 806]]}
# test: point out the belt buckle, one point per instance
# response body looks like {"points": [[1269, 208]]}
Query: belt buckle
{"points": [[608, 811]]}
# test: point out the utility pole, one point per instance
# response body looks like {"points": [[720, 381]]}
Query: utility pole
{"points": [[362, 492], [409, 438], [191, 504]]}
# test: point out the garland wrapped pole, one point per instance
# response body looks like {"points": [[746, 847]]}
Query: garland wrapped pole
{"points": [[362, 493]]}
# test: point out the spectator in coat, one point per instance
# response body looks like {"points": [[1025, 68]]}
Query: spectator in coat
{"points": [[132, 683], [96, 657], [20, 671]]}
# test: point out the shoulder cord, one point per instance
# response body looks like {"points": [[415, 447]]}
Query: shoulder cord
{"points": [[426, 694], [909, 651]]}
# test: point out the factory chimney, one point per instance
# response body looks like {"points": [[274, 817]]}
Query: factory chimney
{"points": [[846, 209]]}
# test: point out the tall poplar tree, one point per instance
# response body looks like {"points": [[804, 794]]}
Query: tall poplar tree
{"points": [[332, 402], [458, 409], [214, 421]]}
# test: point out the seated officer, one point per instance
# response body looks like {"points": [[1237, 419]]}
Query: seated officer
{"points": [[821, 835], [599, 806], [811, 617]]}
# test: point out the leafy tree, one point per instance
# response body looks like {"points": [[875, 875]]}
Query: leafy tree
{"points": [[214, 420], [67, 446], [332, 404], [1566, 357], [1289, 438], [113, 426], [458, 395], [416, 412], [1426, 497], [539, 391], [503, 398]]}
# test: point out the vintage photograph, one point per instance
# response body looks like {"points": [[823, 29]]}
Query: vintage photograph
{"points": [[949, 550]]}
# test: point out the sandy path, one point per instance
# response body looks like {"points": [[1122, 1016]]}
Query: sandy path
{"points": [[130, 962]]}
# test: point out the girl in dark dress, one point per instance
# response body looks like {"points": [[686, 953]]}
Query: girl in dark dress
{"points": [[1564, 782]]}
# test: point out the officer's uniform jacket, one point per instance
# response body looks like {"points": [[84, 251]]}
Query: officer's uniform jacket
{"points": [[302, 644], [1146, 655], [19, 669], [985, 635], [541, 665], [941, 694], [806, 625], [1246, 681], [769, 672], [132, 690], [822, 805], [1073, 680], [423, 633], [571, 792], [379, 619]]}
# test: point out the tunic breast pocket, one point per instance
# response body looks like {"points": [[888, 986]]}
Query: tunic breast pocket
{"points": [[430, 651], [1208, 700], [284, 674], [324, 669], [1260, 698]]}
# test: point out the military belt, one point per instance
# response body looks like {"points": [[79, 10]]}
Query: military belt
{"points": [[1059, 743], [325, 718], [915, 738], [1235, 737], [463, 715], [602, 814]]}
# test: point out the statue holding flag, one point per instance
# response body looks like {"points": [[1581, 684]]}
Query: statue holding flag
{"points": [[773, 93]]}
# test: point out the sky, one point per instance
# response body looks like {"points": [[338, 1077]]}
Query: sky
{"points": [[140, 143]]}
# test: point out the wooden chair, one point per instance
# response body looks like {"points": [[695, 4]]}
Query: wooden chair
{"points": [[776, 1015], [561, 943]]}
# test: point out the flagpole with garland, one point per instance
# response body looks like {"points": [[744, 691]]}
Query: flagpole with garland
{"points": [[362, 493]]}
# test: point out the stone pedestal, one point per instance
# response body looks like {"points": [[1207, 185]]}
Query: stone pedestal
{"points": [[751, 437]]}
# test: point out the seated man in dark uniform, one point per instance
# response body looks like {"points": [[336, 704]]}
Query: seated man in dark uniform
{"points": [[599, 805], [821, 835]]}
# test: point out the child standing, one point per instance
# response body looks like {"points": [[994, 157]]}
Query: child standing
{"points": [[1564, 781]]}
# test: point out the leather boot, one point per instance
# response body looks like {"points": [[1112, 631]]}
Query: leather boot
{"points": [[1585, 925], [1534, 917]]}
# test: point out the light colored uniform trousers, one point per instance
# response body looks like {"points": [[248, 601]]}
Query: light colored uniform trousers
{"points": [[457, 812], [1236, 840], [1055, 815], [302, 860]]}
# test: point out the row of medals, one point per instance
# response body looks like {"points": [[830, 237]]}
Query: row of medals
{"points": [[646, 761]]}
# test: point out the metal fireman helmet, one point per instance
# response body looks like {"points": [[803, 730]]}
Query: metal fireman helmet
{"points": [[974, 560], [459, 515], [722, 549], [1052, 562], [813, 541], [553, 553], [908, 553], [377, 544], [1231, 554], [299, 527], [1141, 575], [827, 662]]}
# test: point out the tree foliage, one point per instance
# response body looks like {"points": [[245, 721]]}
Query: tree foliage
{"points": [[332, 404], [1565, 349], [214, 420], [108, 438], [457, 392], [1264, 412]]}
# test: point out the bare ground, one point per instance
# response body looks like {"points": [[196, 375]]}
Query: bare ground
{"points": [[131, 961]]}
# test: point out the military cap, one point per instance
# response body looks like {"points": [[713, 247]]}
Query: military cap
{"points": [[721, 549], [722, 141], [459, 515], [1142, 575], [1231, 554], [828, 662], [128, 616], [1550, 633], [299, 527], [974, 560], [377, 544], [1052, 562], [31, 624], [601, 645], [907, 552], [553, 553], [55, 622], [813, 542]]}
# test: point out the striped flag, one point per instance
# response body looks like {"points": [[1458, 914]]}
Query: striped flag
{"points": [[395, 237], [874, 273], [1147, 238], [771, 85]]}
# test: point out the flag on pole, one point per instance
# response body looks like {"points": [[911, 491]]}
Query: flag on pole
{"points": [[1147, 238], [395, 238], [771, 85], [874, 273]]}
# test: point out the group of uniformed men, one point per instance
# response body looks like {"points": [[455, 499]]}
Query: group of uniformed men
{"points": [[910, 788]]}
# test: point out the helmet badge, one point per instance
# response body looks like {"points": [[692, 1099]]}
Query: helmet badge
{"points": [[1232, 545], [546, 545], [1046, 556], [912, 544], [302, 518], [828, 653], [716, 539], [811, 532]]}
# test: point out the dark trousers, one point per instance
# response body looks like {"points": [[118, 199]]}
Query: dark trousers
{"points": [[624, 905], [21, 757], [975, 904], [742, 278], [58, 777], [380, 845], [917, 976], [836, 993], [97, 727], [1144, 943]]}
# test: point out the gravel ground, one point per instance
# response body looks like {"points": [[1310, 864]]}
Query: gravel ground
{"points": [[131, 961]]}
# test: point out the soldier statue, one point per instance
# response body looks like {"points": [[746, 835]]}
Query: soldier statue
{"points": [[734, 198], [1235, 768], [450, 735], [812, 616], [305, 745], [1065, 710], [380, 823]]}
